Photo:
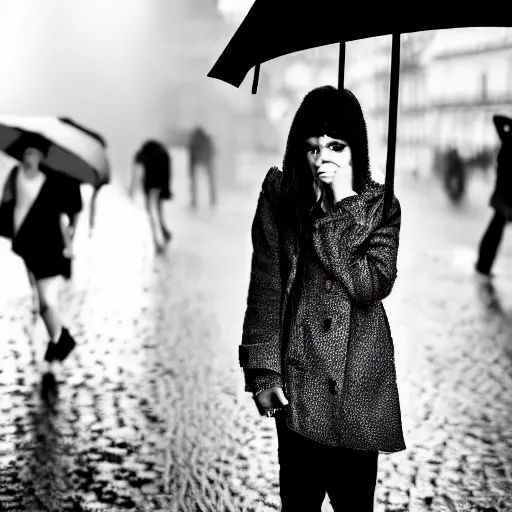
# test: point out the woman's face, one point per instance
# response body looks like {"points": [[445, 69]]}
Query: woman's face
{"points": [[32, 157], [325, 153]]}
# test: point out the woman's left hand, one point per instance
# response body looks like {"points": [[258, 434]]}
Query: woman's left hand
{"points": [[341, 184], [338, 178]]}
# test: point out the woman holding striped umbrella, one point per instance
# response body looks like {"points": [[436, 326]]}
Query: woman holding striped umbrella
{"points": [[40, 206]]}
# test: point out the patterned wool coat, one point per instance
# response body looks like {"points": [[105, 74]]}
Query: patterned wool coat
{"points": [[336, 361]]}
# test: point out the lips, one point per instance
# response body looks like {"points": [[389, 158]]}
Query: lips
{"points": [[326, 168]]}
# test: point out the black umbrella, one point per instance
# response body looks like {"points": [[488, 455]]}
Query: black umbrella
{"points": [[273, 28]]}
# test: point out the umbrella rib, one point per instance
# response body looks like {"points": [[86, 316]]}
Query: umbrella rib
{"points": [[256, 78]]}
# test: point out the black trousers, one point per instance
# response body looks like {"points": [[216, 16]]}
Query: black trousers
{"points": [[308, 470], [490, 243]]}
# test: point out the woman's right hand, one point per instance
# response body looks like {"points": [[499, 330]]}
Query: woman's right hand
{"points": [[271, 398], [68, 252]]}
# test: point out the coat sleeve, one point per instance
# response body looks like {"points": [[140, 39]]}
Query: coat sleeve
{"points": [[261, 338], [357, 250]]}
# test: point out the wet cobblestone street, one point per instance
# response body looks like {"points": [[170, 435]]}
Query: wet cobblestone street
{"points": [[151, 414]]}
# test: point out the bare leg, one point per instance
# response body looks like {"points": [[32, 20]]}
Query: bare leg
{"points": [[61, 342], [211, 177], [193, 185], [151, 199], [48, 290], [36, 306], [161, 217]]}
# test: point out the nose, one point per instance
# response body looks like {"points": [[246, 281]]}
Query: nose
{"points": [[321, 156]]}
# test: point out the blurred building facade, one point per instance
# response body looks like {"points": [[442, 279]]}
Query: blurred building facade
{"points": [[451, 84], [133, 69], [469, 80], [195, 33], [130, 69]]}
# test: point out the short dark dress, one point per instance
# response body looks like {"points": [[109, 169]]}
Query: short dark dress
{"points": [[156, 163], [39, 241]]}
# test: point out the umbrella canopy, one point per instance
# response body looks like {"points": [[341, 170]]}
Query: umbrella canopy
{"points": [[74, 150], [273, 28]]}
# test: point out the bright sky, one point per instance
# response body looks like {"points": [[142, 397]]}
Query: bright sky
{"points": [[235, 6]]}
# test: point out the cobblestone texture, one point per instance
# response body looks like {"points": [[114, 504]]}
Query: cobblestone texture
{"points": [[151, 414]]}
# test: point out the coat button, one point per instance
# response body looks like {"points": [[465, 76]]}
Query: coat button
{"points": [[295, 363], [328, 285], [334, 387]]}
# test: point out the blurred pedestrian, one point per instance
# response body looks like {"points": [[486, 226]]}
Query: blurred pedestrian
{"points": [[501, 199], [34, 207], [156, 163], [316, 348], [454, 177], [201, 153]]}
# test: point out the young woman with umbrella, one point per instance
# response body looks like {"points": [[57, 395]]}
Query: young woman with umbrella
{"points": [[41, 201], [35, 202], [316, 349]]}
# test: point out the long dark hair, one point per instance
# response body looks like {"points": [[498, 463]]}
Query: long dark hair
{"points": [[323, 111]]}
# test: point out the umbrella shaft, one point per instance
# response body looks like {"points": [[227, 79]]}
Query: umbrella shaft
{"points": [[393, 113]]}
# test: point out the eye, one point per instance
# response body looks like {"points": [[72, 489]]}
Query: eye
{"points": [[337, 147]]}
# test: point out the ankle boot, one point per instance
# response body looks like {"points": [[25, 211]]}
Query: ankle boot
{"points": [[167, 234], [65, 345], [49, 356]]}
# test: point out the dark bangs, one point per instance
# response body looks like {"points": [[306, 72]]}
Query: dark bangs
{"points": [[323, 111], [322, 114]]}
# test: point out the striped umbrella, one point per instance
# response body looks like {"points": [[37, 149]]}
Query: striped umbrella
{"points": [[74, 150]]}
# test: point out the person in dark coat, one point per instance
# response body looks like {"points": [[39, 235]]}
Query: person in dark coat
{"points": [[316, 350], [39, 210], [157, 166], [454, 177], [501, 200], [201, 152]]}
